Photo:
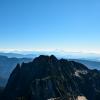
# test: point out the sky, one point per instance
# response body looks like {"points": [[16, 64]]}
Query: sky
{"points": [[67, 25]]}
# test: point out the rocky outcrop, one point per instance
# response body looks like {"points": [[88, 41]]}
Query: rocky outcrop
{"points": [[47, 78]]}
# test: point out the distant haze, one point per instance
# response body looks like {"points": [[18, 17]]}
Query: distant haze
{"points": [[57, 53]]}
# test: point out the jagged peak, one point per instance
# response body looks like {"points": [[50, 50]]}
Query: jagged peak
{"points": [[16, 68], [53, 58], [41, 57], [45, 58]]}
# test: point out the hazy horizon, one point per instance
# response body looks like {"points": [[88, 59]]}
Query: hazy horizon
{"points": [[47, 25], [22, 51]]}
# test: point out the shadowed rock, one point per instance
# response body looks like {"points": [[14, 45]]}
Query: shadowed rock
{"points": [[47, 78]]}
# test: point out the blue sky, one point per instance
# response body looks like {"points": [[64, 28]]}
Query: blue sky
{"points": [[69, 25]]}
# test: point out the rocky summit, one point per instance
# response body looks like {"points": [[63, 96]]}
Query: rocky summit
{"points": [[47, 78]]}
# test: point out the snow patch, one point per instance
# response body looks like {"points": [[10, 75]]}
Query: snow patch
{"points": [[78, 72], [81, 98]]}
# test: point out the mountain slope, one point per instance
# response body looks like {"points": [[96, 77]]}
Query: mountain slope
{"points": [[47, 77], [6, 67], [90, 64]]}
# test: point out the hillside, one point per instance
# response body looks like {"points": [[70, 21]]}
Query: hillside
{"points": [[6, 67], [47, 78]]}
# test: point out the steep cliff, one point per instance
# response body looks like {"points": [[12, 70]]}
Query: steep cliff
{"points": [[47, 78]]}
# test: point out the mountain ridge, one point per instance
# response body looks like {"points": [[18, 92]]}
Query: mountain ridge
{"points": [[47, 77], [6, 67]]}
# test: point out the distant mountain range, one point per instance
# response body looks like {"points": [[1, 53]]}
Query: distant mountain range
{"points": [[8, 61], [89, 63], [6, 67], [47, 78], [57, 53], [18, 55]]}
